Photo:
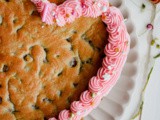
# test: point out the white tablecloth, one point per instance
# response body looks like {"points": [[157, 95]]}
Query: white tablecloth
{"points": [[143, 12]]}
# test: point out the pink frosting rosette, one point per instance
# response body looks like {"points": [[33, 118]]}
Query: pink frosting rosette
{"points": [[96, 101], [118, 36], [113, 50], [95, 85], [86, 98], [39, 4], [64, 115], [78, 108], [104, 75], [70, 10], [109, 63], [76, 7], [48, 15], [94, 8], [112, 19]]}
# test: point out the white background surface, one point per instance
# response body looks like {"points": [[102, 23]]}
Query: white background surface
{"points": [[141, 17], [151, 109]]}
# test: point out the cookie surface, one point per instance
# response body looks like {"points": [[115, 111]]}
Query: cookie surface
{"points": [[44, 68]]}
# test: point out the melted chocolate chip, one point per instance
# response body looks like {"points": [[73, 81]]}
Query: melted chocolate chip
{"points": [[35, 107], [73, 63], [59, 74], [46, 50], [35, 13], [46, 59], [59, 93], [89, 61], [69, 99], [15, 20], [15, 111], [75, 84], [68, 39], [5, 68], [103, 56], [98, 49], [45, 118], [27, 58], [0, 100], [0, 86], [47, 100], [74, 31]]}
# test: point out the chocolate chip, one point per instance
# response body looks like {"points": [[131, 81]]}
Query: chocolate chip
{"points": [[7, 0], [15, 111], [69, 39], [91, 43], [1, 20], [89, 61], [47, 100], [103, 56], [83, 62], [69, 99], [46, 50], [83, 36], [5, 68], [57, 56], [0, 100], [0, 86], [46, 59], [19, 28], [71, 48], [28, 58], [15, 20], [35, 13], [75, 84], [59, 93], [35, 107], [73, 63], [45, 118], [59, 74], [98, 49], [81, 68], [74, 31]]}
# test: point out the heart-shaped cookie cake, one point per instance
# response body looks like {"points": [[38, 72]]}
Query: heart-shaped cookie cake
{"points": [[58, 58]]}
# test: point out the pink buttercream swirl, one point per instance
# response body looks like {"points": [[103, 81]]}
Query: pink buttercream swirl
{"points": [[95, 85], [64, 115], [77, 107], [112, 22], [116, 50], [70, 10], [109, 63], [94, 8], [39, 4], [86, 98]]}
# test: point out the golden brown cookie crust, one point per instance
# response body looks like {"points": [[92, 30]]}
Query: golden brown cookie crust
{"points": [[44, 68]]}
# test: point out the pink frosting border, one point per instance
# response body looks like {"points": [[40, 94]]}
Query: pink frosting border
{"points": [[116, 50]]}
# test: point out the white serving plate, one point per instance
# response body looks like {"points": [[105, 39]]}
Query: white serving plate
{"points": [[121, 103]]}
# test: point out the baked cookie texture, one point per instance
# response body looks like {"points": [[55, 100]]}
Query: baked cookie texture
{"points": [[44, 68]]}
